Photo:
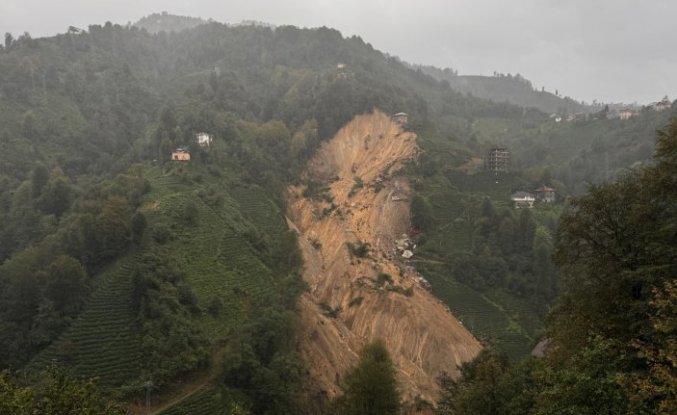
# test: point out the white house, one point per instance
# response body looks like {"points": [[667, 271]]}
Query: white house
{"points": [[523, 199], [203, 139]]}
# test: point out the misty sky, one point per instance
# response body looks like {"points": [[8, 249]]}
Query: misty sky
{"points": [[609, 50]]}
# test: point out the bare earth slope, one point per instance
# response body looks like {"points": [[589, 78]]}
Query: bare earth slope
{"points": [[347, 305]]}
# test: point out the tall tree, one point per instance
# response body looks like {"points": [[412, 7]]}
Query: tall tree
{"points": [[617, 252], [370, 388], [477, 391], [9, 39]]}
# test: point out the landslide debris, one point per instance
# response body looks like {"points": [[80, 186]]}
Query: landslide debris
{"points": [[350, 215]]}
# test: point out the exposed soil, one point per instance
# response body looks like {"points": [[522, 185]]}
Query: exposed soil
{"points": [[354, 299]]}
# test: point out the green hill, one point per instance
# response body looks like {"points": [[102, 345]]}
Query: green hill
{"points": [[124, 265], [508, 88]]}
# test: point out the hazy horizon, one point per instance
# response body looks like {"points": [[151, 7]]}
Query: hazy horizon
{"points": [[620, 51]]}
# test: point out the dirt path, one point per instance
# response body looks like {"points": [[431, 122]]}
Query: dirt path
{"points": [[185, 391], [354, 299]]}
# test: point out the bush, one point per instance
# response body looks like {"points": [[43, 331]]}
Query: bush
{"points": [[384, 278], [354, 302], [360, 249], [215, 306], [357, 185], [190, 213], [162, 233], [328, 311]]}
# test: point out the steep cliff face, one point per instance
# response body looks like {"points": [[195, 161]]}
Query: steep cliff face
{"points": [[360, 286]]}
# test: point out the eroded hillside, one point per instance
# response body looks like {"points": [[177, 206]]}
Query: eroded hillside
{"points": [[350, 221]]}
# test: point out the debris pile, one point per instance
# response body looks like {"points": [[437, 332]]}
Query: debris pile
{"points": [[405, 246]]}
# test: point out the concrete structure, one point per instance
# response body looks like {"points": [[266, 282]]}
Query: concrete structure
{"points": [[498, 159], [523, 199]]}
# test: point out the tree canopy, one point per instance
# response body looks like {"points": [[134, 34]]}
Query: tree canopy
{"points": [[370, 388], [612, 334]]}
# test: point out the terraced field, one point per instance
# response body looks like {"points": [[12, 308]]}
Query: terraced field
{"points": [[104, 341], [218, 262], [487, 319], [454, 233], [259, 209]]}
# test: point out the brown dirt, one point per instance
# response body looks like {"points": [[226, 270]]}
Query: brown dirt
{"points": [[150, 207], [424, 339]]}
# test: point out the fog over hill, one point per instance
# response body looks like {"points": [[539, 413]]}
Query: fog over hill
{"points": [[612, 51]]}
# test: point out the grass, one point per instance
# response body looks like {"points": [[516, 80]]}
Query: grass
{"points": [[104, 341], [500, 324]]}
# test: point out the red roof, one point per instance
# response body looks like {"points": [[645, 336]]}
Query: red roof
{"points": [[545, 189]]}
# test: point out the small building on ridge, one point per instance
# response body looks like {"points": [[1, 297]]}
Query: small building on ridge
{"points": [[401, 118], [181, 154], [203, 139]]}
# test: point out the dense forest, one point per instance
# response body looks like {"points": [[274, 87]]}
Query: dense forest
{"points": [[611, 336], [120, 264]]}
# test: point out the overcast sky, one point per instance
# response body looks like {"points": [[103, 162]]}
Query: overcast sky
{"points": [[609, 50]]}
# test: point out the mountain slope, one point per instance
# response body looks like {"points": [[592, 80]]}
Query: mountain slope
{"points": [[507, 88], [360, 287], [90, 119]]}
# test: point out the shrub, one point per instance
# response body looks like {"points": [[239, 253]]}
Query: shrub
{"points": [[360, 249], [384, 278], [328, 311], [162, 233], [354, 302]]}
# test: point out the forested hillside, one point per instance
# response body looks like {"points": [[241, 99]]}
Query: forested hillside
{"points": [[508, 88], [611, 337], [122, 264]]}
